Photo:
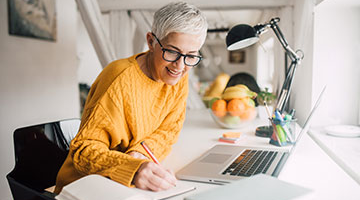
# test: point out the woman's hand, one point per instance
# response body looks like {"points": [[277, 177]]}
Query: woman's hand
{"points": [[151, 176], [136, 154]]}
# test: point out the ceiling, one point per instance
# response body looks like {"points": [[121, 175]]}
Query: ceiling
{"points": [[231, 11], [220, 14], [106, 5], [227, 18]]}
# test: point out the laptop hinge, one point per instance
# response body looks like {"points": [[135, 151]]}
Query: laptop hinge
{"points": [[281, 164]]}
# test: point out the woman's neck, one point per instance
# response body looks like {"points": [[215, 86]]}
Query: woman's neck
{"points": [[145, 65]]}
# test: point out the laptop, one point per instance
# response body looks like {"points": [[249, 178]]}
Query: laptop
{"points": [[226, 163]]}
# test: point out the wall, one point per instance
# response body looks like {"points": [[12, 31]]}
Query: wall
{"points": [[247, 66], [38, 81], [303, 30], [336, 61]]}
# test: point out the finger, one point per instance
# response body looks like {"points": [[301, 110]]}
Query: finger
{"points": [[171, 172], [140, 182], [147, 180], [157, 184], [147, 177], [147, 185], [150, 182], [169, 176], [142, 175], [165, 174], [136, 154]]}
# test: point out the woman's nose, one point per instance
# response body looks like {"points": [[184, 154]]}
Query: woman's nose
{"points": [[179, 64]]}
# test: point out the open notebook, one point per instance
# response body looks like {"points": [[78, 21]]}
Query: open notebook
{"points": [[95, 187]]}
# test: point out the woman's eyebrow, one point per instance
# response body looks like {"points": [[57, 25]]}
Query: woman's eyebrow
{"points": [[172, 46]]}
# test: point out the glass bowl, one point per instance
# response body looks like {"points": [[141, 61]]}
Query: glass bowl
{"points": [[228, 120]]}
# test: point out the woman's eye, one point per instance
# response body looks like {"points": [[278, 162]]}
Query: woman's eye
{"points": [[173, 52]]}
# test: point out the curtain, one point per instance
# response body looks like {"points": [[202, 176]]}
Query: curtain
{"points": [[121, 29], [91, 15]]}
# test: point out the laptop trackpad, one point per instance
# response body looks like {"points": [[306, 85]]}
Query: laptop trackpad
{"points": [[216, 158]]}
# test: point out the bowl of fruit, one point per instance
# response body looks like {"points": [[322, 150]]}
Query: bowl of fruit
{"points": [[235, 108]]}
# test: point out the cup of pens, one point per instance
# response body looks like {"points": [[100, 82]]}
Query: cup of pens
{"points": [[283, 130]]}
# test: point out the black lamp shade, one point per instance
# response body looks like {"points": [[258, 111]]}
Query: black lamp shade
{"points": [[241, 36]]}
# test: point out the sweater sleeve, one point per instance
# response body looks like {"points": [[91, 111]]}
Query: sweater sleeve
{"points": [[161, 140], [92, 153]]}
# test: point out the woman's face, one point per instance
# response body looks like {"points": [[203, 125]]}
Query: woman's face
{"points": [[171, 72]]}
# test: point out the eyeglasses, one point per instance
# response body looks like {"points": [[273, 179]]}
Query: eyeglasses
{"points": [[172, 56]]}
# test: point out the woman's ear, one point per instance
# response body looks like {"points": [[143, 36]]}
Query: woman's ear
{"points": [[150, 41]]}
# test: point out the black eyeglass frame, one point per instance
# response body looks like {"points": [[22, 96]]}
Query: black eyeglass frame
{"points": [[178, 54]]}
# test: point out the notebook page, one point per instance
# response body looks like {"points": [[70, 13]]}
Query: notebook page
{"points": [[95, 187], [180, 188]]}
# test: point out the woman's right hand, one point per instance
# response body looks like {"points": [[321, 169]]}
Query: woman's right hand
{"points": [[151, 176]]}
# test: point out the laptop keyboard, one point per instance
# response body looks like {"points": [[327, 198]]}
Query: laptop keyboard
{"points": [[251, 162]]}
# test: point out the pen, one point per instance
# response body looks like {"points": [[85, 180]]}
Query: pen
{"points": [[281, 133], [292, 113], [152, 156], [147, 149], [267, 109], [275, 132]]}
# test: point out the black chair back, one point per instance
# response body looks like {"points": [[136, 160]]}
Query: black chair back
{"points": [[40, 151]]}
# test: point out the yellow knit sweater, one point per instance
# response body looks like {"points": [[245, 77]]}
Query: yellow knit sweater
{"points": [[124, 107]]}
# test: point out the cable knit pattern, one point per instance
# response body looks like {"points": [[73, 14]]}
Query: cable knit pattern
{"points": [[124, 107]]}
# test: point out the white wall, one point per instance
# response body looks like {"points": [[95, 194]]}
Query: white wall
{"points": [[38, 81], [336, 61], [249, 66], [303, 30]]}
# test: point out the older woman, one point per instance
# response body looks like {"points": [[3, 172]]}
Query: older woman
{"points": [[141, 98]]}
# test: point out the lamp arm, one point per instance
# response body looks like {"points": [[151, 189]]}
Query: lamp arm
{"points": [[286, 88], [289, 51], [295, 60]]}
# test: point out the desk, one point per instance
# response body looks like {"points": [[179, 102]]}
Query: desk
{"points": [[344, 151], [308, 166]]}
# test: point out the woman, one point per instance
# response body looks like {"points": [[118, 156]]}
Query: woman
{"points": [[141, 98]]}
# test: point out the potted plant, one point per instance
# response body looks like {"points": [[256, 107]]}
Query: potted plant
{"points": [[266, 96]]}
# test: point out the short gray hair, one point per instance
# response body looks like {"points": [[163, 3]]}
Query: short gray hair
{"points": [[179, 17]]}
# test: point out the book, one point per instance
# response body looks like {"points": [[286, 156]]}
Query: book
{"points": [[95, 187], [229, 140], [257, 187]]}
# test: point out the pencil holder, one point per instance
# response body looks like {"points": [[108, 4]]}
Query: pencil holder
{"points": [[283, 132]]}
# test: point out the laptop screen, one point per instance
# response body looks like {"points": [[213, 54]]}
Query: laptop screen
{"points": [[308, 120]]}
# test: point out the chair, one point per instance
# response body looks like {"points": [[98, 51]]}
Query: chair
{"points": [[40, 150]]}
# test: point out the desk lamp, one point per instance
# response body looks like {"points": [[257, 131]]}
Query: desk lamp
{"points": [[243, 35]]}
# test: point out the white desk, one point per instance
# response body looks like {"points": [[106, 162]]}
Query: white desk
{"points": [[309, 166], [344, 151]]}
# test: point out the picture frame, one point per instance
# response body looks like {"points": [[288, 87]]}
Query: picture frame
{"points": [[35, 19], [237, 56]]}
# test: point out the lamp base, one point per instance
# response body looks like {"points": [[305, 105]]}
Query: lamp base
{"points": [[264, 131]]}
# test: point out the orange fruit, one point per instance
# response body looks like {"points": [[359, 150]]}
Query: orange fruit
{"points": [[219, 108], [248, 114], [212, 101], [236, 107]]}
